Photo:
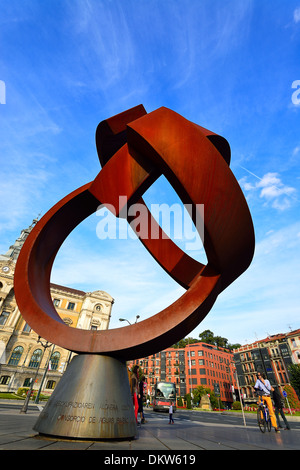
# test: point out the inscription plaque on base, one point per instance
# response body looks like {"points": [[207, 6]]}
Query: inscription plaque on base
{"points": [[91, 401]]}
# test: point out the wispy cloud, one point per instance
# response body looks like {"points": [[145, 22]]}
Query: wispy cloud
{"points": [[271, 189], [18, 194], [296, 15], [104, 31]]}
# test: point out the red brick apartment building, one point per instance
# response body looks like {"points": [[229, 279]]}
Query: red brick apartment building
{"points": [[208, 365], [196, 364]]}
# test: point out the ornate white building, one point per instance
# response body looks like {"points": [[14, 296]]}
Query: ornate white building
{"points": [[24, 356]]}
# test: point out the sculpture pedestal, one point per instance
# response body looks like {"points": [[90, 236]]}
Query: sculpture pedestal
{"points": [[205, 403], [91, 401]]}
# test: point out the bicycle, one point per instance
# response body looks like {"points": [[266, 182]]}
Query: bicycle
{"points": [[263, 416]]}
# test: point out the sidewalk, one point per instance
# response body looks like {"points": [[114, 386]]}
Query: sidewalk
{"points": [[16, 433]]}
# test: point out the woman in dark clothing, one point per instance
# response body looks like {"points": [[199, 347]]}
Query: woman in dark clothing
{"points": [[140, 400], [278, 408]]}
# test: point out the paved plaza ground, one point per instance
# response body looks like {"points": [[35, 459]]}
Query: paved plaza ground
{"points": [[186, 437]]}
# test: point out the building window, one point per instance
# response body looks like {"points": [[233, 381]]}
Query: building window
{"points": [[16, 356], [26, 328], [51, 384], [27, 382], [56, 302], [54, 360], [71, 306], [4, 380], [3, 317], [35, 358]]}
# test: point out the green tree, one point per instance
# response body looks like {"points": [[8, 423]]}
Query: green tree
{"points": [[236, 405], [199, 391], [184, 342], [294, 372], [292, 396], [221, 342], [207, 336], [179, 401], [234, 346], [188, 400], [215, 401]]}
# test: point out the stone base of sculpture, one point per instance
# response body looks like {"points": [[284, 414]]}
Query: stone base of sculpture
{"points": [[205, 403], [91, 401]]}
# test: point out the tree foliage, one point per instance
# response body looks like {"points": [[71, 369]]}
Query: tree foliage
{"points": [[294, 372], [184, 342], [199, 391], [207, 336], [292, 398]]}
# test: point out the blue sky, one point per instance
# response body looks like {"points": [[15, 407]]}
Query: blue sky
{"points": [[227, 65]]}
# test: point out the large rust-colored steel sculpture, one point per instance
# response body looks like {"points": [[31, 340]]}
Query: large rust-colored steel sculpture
{"points": [[134, 149]]}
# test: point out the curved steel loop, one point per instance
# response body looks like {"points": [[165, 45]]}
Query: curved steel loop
{"points": [[161, 142]]}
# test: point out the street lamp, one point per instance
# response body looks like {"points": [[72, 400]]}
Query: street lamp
{"points": [[238, 385], [25, 406], [37, 398], [124, 319]]}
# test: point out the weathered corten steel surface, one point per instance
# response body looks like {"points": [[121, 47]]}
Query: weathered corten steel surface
{"points": [[135, 148]]}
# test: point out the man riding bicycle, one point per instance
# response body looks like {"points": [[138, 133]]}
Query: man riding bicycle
{"points": [[263, 387]]}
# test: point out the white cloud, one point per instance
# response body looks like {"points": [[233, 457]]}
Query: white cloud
{"points": [[296, 150], [296, 15], [272, 190]]}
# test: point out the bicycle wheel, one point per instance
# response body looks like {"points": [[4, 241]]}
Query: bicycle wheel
{"points": [[261, 419], [268, 421]]}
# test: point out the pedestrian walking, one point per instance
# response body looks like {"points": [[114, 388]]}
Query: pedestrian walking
{"points": [[171, 420], [141, 400], [278, 404], [134, 390]]}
